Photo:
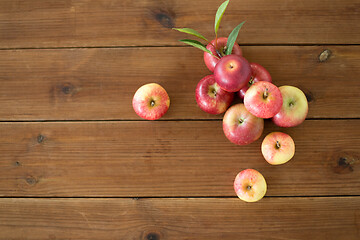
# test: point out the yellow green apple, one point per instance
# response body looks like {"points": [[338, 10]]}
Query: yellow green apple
{"points": [[278, 148], [294, 108], [250, 185]]}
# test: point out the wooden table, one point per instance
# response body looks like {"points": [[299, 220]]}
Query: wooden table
{"points": [[76, 162]]}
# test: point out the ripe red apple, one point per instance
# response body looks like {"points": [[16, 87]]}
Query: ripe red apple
{"points": [[258, 73], [151, 101], [211, 98], [250, 185], [263, 99], [278, 148], [232, 73], [240, 126], [294, 108], [211, 61]]}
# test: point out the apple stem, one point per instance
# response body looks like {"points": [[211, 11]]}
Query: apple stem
{"points": [[218, 53], [278, 145], [214, 92], [251, 81], [216, 50], [152, 103], [248, 187], [266, 93]]}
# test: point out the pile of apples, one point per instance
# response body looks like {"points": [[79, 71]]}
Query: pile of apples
{"points": [[243, 123]]}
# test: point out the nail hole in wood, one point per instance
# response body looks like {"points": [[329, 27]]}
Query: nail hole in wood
{"points": [[40, 138]]}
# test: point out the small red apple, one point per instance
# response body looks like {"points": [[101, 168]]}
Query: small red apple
{"points": [[278, 148], [263, 99], [211, 98], [240, 126], [294, 108], [232, 73], [250, 185], [151, 101], [258, 73], [211, 61]]}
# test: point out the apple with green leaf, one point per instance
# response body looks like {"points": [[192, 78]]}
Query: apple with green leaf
{"points": [[219, 47], [220, 51]]}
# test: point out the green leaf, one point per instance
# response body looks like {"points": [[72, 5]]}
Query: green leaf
{"points": [[219, 15], [232, 38], [191, 32], [197, 44]]}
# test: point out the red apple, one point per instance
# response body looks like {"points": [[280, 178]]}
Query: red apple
{"points": [[294, 108], [263, 99], [278, 148], [258, 74], [151, 101], [211, 61], [211, 98], [240, 126], [232, 73], [250, 185]]}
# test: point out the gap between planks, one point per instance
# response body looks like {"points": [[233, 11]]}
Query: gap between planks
{"points": [[172, 197], [183, 46], [140, 120]]}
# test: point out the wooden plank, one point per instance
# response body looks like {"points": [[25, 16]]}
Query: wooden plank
{"points": [[46, 23], [88, 84], [169, 158], [160, 219]]}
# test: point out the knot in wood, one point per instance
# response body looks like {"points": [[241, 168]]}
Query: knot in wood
{"points": [[152, 236], [31, 180], [68, 89], [345, 163], [165, 18], [309, 96], [325, 55]]}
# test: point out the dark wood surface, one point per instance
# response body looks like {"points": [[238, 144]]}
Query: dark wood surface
{"points": [[170, 158], [70, 23], [329, 218], [76, 162], [98, 84]]}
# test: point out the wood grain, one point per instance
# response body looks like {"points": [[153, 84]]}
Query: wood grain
{"points": [[170, 158], [46, 23], [98, 84], [161, 219]]}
